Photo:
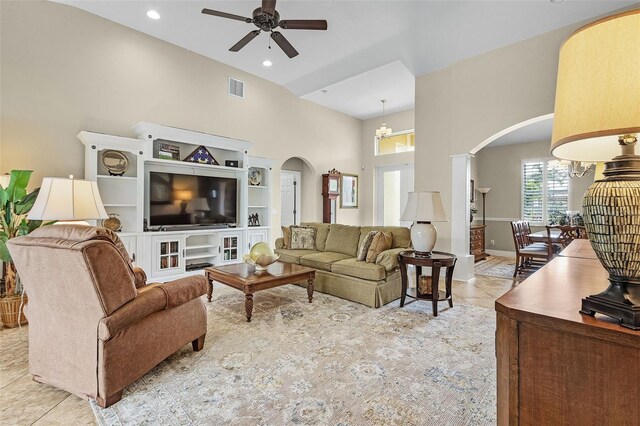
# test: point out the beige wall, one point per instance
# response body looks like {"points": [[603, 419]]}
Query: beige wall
{"points": [[459, 107], [404, 120], [65, 70], [500, 169]]}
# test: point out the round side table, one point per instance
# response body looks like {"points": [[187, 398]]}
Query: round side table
{"points": [[436, 261]]}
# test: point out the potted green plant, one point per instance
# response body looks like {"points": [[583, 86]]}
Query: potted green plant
{"points": [[15, 203]]}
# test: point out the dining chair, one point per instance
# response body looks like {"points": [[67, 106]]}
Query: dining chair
{"points": [[528, 255], [567, 234]]}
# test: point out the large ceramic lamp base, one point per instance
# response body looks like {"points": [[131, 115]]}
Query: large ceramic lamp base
{"points": [[611, 210], [423, 237]]}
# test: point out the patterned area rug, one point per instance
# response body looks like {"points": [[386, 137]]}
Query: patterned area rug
{"points": [[332, 362], [496, 266]]}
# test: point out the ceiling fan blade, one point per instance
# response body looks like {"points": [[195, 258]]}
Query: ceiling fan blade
{"points": [[269, 6], [246, 39], [304, 24], [284, 44], [226, 15]]}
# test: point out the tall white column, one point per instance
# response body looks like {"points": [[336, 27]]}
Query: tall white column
{"points": [[460, 213]]}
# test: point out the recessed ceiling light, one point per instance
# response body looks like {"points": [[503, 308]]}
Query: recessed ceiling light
{"points": [[267, 63], [153, 14]]}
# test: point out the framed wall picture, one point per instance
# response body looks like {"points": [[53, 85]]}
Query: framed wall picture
{"points": [[473, 191], [349, 191]]}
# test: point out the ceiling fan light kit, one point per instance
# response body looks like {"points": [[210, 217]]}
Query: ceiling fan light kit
{"points": [[267, 19]]}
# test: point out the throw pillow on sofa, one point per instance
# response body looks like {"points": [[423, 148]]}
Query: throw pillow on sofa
{"points": [[366, 244], [303, 238], [381, 241], [286, 237]]}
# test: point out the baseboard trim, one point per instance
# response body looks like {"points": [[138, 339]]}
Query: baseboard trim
{"points": [[501, 253]]}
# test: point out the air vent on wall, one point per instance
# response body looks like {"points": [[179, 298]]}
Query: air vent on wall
{"points": [[236, 88]]}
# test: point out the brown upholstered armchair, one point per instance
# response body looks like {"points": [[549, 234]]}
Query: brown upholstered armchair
{"points": [[95, 326]]}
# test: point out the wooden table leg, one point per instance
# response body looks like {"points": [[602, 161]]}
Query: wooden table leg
{"points": [[449, 279], [210, 290], [312, 277], [403, 277], [435, 287], [248, 305]]}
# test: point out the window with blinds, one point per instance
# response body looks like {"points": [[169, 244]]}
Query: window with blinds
{"points": [[545, 190]]}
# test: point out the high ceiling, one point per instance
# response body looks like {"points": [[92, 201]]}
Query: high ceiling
{"points": [[372, 49]]}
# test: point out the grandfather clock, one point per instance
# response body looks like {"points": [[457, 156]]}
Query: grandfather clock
{"points": [[330, 193]]}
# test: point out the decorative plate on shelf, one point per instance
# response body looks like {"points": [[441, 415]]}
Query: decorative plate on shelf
{"points": [[115, 162], [255, 176]]}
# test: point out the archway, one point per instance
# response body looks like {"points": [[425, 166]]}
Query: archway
{"points": [[463, 171], [296, 191]]}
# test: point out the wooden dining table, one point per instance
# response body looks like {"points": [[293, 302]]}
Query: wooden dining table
{"points": [[542, 237]]}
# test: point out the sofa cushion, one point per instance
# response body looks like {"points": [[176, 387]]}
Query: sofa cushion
{"points": [[381, 242], [303, 238], [363, 249], [322, 230], [343, 239], [389, 258], [322, 260], [401, 235], [286, 237], [292, 256], [359, 269]]}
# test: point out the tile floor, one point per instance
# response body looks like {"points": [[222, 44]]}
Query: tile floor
{"points": [[25, 402]]}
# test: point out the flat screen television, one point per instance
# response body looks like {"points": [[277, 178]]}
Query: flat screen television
{"points": [[177, 199]]}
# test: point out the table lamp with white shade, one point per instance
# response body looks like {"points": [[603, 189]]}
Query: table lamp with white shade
{"points": [[422, 209], [72, 201], [597, 118]]}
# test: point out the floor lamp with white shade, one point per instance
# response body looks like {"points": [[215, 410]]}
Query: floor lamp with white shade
{"points": [[484, 192]]}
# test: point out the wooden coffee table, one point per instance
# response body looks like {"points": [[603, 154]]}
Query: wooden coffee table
{"points": [[245, 278]]}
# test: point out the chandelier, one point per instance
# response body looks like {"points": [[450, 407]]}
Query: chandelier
{"points": [[383, 131], [577, 169]]}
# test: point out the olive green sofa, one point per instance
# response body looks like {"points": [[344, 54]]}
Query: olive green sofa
{"points": [[340, 274]]}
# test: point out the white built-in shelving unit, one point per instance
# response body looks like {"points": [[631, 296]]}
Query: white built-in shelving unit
{"points": [[175, 253]]}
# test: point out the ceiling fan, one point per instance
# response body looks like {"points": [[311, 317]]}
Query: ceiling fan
{"points": [[267, 18]]}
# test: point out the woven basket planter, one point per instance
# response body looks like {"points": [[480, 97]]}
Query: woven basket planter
{"points": [[10, 310]]}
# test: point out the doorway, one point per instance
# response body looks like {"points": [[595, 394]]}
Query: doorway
{"points": [[393, 184], [290, 183]]}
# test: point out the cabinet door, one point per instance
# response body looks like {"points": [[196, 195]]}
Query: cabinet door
{"points": [[231, 248], [168, 255], [256, 236], [130, 244]]}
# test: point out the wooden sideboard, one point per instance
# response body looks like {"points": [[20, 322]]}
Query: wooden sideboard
{"points": [[476, 242], [556, 366]]}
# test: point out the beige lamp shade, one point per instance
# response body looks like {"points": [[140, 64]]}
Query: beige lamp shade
{"points": [[598, 89], [424, 206], [484, 190], [68, 199]]}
